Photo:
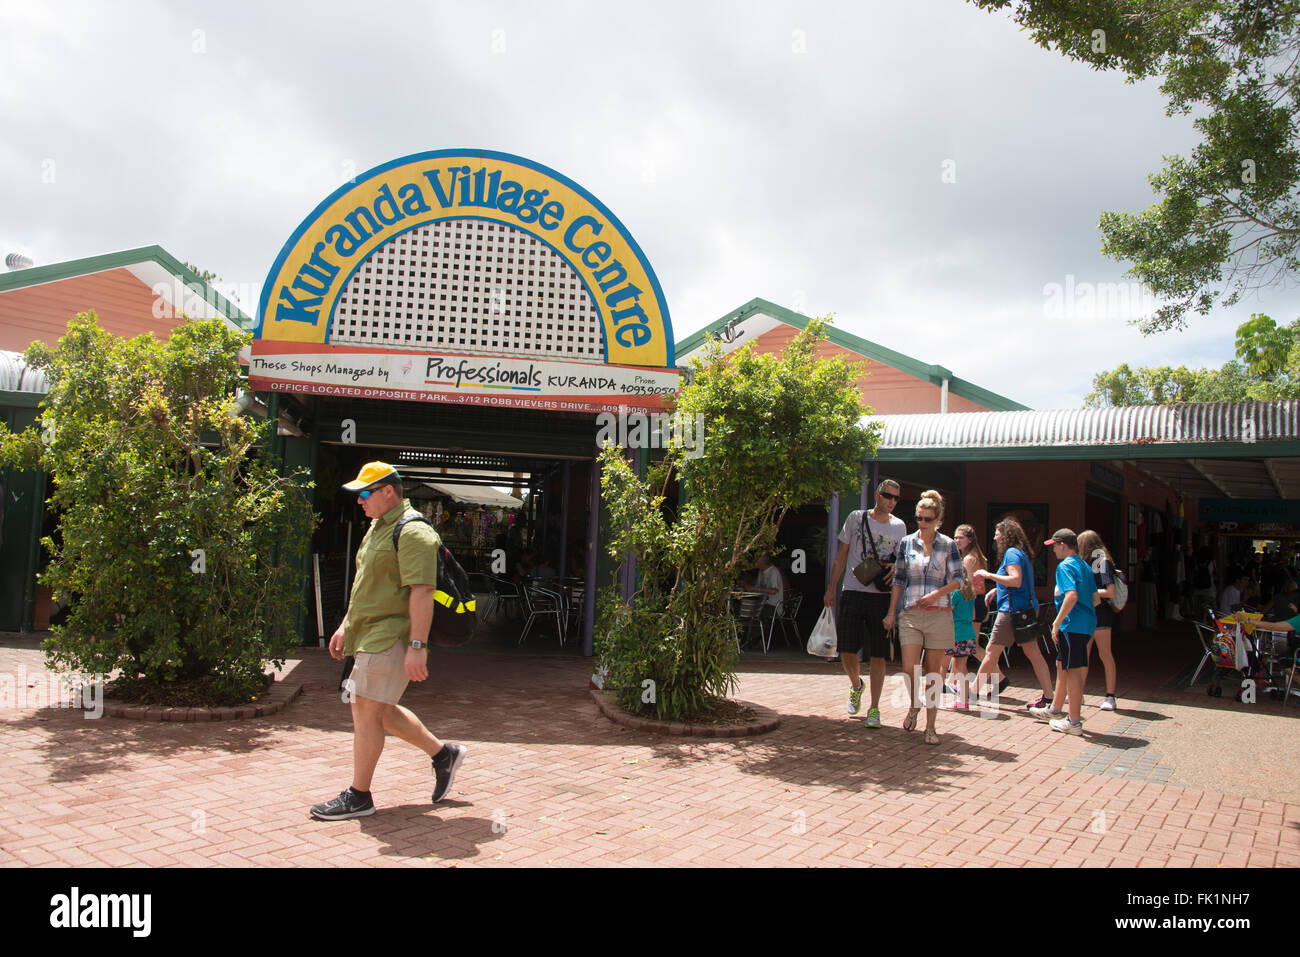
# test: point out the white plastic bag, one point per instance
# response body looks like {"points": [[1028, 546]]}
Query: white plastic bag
{"points": [[822, 641]]}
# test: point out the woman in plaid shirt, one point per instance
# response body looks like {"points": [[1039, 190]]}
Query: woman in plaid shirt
{"points": [[928, 570]]}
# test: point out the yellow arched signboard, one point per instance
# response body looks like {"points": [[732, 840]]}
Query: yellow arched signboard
{"points": [[316, 264]]}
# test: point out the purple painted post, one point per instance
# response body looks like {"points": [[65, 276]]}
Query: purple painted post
{"points": [[564, 521], [832, 533], [593, 532], [629, 561]]}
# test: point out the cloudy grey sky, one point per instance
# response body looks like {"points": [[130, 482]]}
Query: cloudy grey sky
{"points": [[791, 151]]}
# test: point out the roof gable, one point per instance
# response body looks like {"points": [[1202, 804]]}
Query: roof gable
{"points": [[154, 267], [759, 316]]}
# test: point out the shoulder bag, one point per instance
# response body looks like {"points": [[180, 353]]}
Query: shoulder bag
{"points": [[869, 569]]}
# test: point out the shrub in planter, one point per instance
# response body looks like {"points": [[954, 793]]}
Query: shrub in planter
{"points": [[778, 431], [178, 542]]}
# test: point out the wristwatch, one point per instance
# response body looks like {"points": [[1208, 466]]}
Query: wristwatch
{"points": [[417, 644]]}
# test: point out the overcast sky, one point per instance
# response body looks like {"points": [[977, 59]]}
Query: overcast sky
{"points": [[791, 151]]}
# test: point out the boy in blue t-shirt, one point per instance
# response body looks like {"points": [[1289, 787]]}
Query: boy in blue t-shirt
{"points": [[1072, 629]]}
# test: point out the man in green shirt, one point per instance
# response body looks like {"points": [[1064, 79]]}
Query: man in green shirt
{"points": [[386, 629]]}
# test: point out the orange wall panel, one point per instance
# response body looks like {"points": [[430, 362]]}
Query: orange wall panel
{"points": [[125, 307], [887, 390]]}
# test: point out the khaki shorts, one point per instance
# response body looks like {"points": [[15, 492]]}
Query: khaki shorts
{"points": [[1004, 632], [380, 677], [931, 628]]}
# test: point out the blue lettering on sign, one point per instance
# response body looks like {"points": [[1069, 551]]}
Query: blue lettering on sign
{"points": [[301, 300]]}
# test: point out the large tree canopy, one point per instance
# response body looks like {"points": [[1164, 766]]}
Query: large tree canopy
{"points": [[1267, 367], [1227, 218]]}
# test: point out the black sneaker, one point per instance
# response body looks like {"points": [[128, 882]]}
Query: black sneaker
{"points": [[445, 764], [348, 804]]}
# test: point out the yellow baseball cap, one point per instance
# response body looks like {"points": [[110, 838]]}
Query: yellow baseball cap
{"points": [[371, 473]]}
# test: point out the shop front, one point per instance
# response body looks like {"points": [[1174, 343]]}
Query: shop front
{"points": [[1170, 489], [466, 316]]}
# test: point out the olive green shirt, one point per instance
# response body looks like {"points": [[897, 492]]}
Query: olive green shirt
{"points": [[379, 611]]}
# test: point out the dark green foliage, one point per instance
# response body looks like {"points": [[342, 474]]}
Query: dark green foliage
{"points": [[150, 465], [1228, 216], [1267, 367], [780, 431]]}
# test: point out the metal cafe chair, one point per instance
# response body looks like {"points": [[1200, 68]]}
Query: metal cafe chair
{"points": [[540, 603], [481, 585], [787, 616], [504, 592], [554, 588], [748, 611], [1207, 633], [577, 592]]}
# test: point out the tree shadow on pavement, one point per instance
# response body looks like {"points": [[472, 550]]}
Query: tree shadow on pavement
{"points": [[812, 750], [74, 748]]}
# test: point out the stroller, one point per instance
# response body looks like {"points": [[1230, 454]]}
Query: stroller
{"points": [[1245, 651]]}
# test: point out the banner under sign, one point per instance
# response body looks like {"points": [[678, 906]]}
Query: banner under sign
{"points": [[501, 381], [1255, 511]]}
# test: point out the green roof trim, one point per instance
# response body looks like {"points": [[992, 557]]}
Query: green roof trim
{"points": [[39, 275], [1045, 453], [870, 350]]}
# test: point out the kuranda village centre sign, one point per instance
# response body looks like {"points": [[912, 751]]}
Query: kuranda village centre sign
{"points": [[294, 352]]}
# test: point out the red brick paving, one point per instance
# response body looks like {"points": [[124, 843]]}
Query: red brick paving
{"points": [[548, 781]]}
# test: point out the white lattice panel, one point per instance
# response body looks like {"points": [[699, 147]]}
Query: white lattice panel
{"points": [[467, 285]]}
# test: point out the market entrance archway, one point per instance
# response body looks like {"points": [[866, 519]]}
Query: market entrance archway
{"points": [[462, 303]]}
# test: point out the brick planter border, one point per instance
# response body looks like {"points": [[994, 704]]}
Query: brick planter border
{"points": [[274, 699], [764, 720]]}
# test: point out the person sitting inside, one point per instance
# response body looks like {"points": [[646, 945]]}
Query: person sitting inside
{"points": [[523, 567], [1233, 595], [770, 584]]}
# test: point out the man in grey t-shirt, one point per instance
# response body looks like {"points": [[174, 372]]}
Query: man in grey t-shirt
{"points": [[862, 608]]}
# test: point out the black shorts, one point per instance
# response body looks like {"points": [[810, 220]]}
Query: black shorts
{"points": [[1072, 650], [859, 622], [1105, 614]]}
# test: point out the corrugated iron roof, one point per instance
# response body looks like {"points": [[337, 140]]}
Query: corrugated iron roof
{"points": [[1136, 425], [17, 376]]}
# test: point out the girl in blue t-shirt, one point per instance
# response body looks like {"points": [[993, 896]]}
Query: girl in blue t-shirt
{"points": [[1015, 598], [964, 604]]}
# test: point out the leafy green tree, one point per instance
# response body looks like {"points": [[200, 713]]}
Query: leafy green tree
{"points": [[1228, 216], [779, 431], [177, 538], [1269, 368]]}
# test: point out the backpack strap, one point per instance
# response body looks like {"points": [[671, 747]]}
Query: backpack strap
{"points": [[411, 516]]}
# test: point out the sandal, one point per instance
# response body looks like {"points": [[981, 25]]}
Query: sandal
{"points": [[909, 723], [931, 736]]}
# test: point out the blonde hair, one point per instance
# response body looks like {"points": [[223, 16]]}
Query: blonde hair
{"points": [[1089, 542], [932, 500]]}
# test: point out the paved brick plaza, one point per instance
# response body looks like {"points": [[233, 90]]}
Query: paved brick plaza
{"points": [[549, 781]]}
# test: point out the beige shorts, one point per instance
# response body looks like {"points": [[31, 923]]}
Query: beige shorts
{"points": [[1004, 632], [931, 628], [380, 677]]}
